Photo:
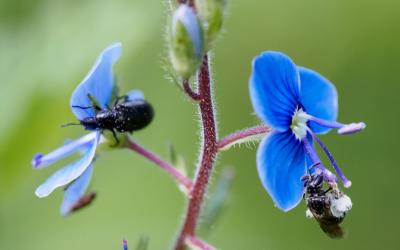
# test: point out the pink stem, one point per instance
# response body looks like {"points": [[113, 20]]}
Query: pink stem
{"points": [[193, 240], [209, 151], [189, 2], [189, 91], [163, 164], [243, 134]]}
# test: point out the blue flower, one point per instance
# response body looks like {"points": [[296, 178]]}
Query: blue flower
{"points": [[297, 103], [98, 84]]}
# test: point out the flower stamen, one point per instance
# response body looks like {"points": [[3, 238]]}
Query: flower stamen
{"points": [[299, 124], [346, 182], [329, 177], [343, 129]]}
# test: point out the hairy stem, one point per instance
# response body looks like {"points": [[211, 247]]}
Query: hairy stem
{"points": [[189, 2], [198, 243], [179, 177], [189, 91], [209, 151], [232, 138]]}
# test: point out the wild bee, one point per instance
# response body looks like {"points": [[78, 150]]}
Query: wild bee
{"points": [[328, 207]]}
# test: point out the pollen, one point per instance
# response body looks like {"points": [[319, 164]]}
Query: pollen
{"points": [[299, 124], [341, 205], [309, 214]]}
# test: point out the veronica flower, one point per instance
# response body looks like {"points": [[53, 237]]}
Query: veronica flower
{"points": [[97, 86], [298, 104]]}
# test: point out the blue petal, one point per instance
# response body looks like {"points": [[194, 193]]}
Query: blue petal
{"points": [[319, 98], [69, 173], [281, 162], [98, 83], [41, 160], [274, 89], [75, 191], [135, 95], [189, 19]]}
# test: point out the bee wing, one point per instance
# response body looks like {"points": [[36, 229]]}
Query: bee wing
{"points": [[98, 83], [75, 191], [330, 225], [334, 231]]}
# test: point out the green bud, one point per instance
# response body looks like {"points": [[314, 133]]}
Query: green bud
{"points": [[186, 42], [212, 12]]}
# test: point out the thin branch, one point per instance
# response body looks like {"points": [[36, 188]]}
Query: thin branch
{"points": [[183, 180], [242, 135], [196, 242], [189, 91], [209, 151]]}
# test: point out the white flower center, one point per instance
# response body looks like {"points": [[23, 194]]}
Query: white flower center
{"points": [[299, 124]]}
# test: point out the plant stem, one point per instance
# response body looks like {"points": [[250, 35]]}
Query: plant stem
{"points": [[189, 2], [183, 180], [243, 134], [196, 242], [209, 151], [189, 91]]}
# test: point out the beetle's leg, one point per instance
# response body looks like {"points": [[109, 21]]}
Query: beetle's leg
{"points": [[119, 98], [70, 124], [115, 137], [81, 107], [95, 103]]}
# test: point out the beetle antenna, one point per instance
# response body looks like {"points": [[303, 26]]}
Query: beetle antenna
{"points": [[70, 124]]}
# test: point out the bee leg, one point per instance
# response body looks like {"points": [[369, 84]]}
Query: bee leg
{"points": [[329, 189]]}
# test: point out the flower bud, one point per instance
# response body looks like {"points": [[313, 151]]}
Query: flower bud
{"points": [[186, 46], [212, 12]]}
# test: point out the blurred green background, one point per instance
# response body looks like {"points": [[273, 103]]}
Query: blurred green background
{"points": [[48, 46]]}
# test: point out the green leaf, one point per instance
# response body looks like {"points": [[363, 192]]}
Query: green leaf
{"points": [[217, 202], [143, 243]]}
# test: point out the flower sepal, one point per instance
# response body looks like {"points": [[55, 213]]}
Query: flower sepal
{"points": [[212, 12], [186, 42]]}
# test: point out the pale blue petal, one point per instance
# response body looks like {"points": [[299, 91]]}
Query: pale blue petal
{"points": [[41, 160], [274, 89], [69, 173], [74, 192], [135, 95], [189, 19], [281, 162], [318, 97], [98, 83]]}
